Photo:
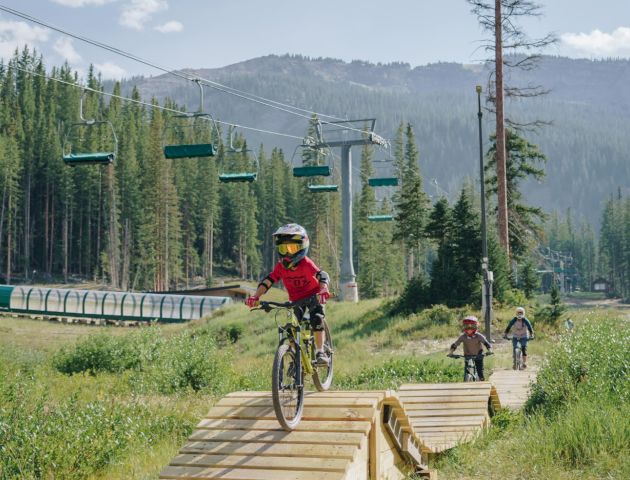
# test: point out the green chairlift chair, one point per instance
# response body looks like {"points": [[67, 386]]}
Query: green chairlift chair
{"points": [[238, 177], [317, 170], [195, 149], [73, 159]]}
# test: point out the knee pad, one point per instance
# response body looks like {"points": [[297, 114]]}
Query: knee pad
{"points": [[317, 324]]}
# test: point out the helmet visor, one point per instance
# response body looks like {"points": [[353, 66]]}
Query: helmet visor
{"points": [[289, 248]]}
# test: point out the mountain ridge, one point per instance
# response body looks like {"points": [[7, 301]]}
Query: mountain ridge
{"points": [[588, 107]]}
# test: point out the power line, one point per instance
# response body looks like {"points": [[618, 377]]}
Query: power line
{"points": [[210, 83], [140, 102]]}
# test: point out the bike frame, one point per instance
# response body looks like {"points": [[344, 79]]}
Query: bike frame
{"points": [[469, 364], [292, 332]]}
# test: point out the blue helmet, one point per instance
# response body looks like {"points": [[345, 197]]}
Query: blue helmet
{"points": [[292, 244]]}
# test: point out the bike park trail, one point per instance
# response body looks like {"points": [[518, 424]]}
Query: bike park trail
{"points": [[344, 435]]}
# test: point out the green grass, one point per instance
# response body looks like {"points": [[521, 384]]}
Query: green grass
{"points": [[137, 393]]}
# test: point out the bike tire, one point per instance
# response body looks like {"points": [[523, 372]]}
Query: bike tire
{"points": [[519, 359], [323, 375], [288, 398]]}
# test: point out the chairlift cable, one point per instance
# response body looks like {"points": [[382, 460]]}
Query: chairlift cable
{"points": [[212, 84], [147, 104]]}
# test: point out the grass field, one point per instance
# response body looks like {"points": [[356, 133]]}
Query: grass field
{"points": [[140, 391]]}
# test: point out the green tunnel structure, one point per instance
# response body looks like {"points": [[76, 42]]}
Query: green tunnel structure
{"points": [[56, 302]]}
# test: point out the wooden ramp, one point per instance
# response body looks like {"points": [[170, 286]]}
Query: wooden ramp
{"points": [[443, 415], [240, 439], [348, 435], [510, 388]]}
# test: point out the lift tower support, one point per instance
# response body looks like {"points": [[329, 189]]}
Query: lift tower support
{"points": [[339, 134]]}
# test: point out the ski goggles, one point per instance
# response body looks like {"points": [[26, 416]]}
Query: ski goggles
{"points": [[288, 248]]}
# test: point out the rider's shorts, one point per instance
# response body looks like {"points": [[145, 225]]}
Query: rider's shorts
{"points": [[522, 341], [316, 312]]}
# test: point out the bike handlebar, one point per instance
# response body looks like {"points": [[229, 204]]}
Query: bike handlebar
{"points": [[453, 355], [268, 306], [510, 338]]}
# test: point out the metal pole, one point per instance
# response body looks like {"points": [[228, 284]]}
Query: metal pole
{"points": [[487, 275], [349, 291]]}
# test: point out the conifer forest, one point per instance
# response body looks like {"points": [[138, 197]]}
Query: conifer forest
{"points": [[145, 222]]}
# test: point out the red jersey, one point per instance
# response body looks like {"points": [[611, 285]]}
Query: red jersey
{"points": [[300, 282]]}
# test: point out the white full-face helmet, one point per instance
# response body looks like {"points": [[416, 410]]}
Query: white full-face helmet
{"points": [[291, 243]]}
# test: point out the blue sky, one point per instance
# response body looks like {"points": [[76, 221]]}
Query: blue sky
{"points": [[214, 33]]}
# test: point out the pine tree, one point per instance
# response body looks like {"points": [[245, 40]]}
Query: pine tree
{"points": [[412, 205], [522, 158]]}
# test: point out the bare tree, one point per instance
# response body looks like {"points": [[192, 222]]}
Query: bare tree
{"points": [[500, 18]]}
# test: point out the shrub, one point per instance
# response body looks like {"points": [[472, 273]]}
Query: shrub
{"points": [[589, 362], [188, 362], [71, 439], [394, 372], [98, 353], [440, 315], [164, 365]]}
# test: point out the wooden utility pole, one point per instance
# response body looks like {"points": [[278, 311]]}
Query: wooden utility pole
{"points": [[500, 131]]}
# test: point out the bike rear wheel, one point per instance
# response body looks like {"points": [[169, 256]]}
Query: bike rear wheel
{"points": [[287, 388], [323, 374]]}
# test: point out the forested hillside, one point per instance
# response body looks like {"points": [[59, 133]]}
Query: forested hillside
{"points": [[148, 223], [587, 144]]}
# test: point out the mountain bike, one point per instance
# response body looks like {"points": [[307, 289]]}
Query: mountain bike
{"points": [[517, 354], [470, 370], [295, 358]]}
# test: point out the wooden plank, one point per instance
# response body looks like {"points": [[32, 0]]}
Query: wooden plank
{"points": [[270, 449], [304, 426], [274, 436], [448, 413], [447, 421], [310, 413], [264, 463], [244, 474], [443, 392], [409, 407], [444, 386], [444, 428], [377, 394], [310, 402], [445, 398]]}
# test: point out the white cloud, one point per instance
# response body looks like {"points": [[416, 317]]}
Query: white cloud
{"points": [[110, 71], [170, 27], [136, 13], [15, 34], [82, 3], [63, 46], [598, 43]]}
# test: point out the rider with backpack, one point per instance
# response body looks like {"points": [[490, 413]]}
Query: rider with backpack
{"points": [[520, 326]]}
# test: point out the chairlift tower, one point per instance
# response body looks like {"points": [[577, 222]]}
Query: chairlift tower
{"points": [[345, 135]]}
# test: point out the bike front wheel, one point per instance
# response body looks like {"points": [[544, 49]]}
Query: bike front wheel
{"points": [[518, 359], [287, 388], [323, 374]]}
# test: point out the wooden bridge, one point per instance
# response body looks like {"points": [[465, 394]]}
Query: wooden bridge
{"points": [[344, 435]]}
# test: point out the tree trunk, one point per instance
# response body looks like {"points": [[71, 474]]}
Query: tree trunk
{"points": [[114, 247], [27, 226], [502, 220], [66, 221]]}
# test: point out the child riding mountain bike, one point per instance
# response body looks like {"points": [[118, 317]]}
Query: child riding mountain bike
{"points": [[473, 342], [519, 326], [302, 279]]}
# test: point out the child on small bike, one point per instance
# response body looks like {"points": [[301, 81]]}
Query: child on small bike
{"points": [[473, 342], [302, 279], [519, 326]]}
